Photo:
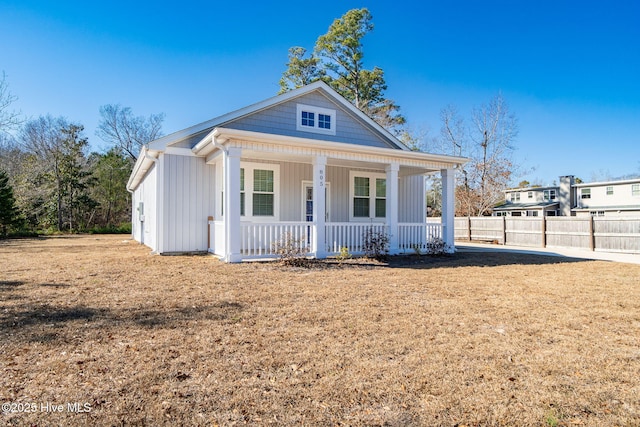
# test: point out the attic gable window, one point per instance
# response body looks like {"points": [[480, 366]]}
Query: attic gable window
{"points": [[315, 119]]}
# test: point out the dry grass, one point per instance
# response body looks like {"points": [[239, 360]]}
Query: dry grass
{"points": [[472, 339]]}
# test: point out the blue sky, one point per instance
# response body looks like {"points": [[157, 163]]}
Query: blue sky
{"points": [[569, 70]]}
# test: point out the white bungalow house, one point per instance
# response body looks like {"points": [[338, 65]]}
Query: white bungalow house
{"points": [[306, 163]]}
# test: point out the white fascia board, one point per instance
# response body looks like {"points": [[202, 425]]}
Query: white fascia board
{"points": [[146, 158]]}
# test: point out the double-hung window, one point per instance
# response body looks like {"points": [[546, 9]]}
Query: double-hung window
{"points": [[315, 119], [263, 193], [259, 192], [585, 193], [635, 190], [549, 195], [368, 196]]}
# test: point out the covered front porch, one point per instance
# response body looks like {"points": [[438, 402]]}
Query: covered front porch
{"points": [[325, 197]]}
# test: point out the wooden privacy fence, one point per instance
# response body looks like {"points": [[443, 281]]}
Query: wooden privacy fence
{"points": [[591, 233]]}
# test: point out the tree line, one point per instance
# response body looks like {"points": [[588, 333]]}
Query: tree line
{"points": [[51, 182]]}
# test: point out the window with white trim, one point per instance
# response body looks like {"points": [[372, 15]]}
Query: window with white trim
{"points": [[368, 196], [585, 193], [515, 197], [315, 119], [263, 198], [635, 190], [259, 191], [549, 195], [610, 190], [530, 195]]}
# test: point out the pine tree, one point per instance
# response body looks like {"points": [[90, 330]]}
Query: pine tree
{"points": [[338, 60]]}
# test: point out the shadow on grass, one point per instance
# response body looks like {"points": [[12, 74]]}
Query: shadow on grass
{"points": [[48, 323], [7, 285], [477, 259]]}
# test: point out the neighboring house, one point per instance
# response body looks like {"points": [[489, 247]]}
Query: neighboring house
{"points": [[611, 198], [307, 163], [531, 201]]}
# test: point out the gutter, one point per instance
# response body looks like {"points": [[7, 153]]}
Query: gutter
{"points": [[145, 160]]}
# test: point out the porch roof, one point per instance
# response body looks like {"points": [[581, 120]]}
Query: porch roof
{"points": [[290, 148]]}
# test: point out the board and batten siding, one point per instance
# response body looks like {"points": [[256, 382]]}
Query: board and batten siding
{"points": [[411, 199], [188, 201], [145, 231], [281, 120]]}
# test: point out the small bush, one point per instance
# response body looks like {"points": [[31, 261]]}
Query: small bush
{"points": [[344, 254], [291, 251], [437, 246], [375, 244]]}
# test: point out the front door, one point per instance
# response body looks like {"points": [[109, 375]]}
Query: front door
{"points": [[307, 209]]}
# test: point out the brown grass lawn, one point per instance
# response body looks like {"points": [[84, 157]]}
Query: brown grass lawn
{"points": [[471, 339]]}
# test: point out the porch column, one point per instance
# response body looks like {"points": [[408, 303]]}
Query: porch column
{"points": [[448, 207], [319, 206], [392, 206], [232, 205]]}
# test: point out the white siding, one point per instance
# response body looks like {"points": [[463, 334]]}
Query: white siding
{"points": [[622, 196], [145, 231], [339, 179], [412, 206], [291, 177], [188, 202]]}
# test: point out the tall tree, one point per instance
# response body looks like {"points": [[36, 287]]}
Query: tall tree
{"points": [[9, 119], [488, 143], [59, 177], [120, 128], [338, 60], [490, 169], [9, 212], [76, 179], [42, 139]]}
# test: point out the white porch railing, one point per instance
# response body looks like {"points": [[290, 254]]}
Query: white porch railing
{"points": [[417, 235], [349, 235], [259, 240]]}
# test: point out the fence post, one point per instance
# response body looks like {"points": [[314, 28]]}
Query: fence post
{"points": [[469, 227], [504, 230], [544, 230], [592, 240]]}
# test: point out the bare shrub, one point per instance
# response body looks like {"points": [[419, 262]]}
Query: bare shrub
{"points": [[291, 251], [437, 246], [375, 244]]}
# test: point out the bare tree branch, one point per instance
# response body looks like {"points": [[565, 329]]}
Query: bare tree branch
{"points": [[9, 119], [120, 128]]}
